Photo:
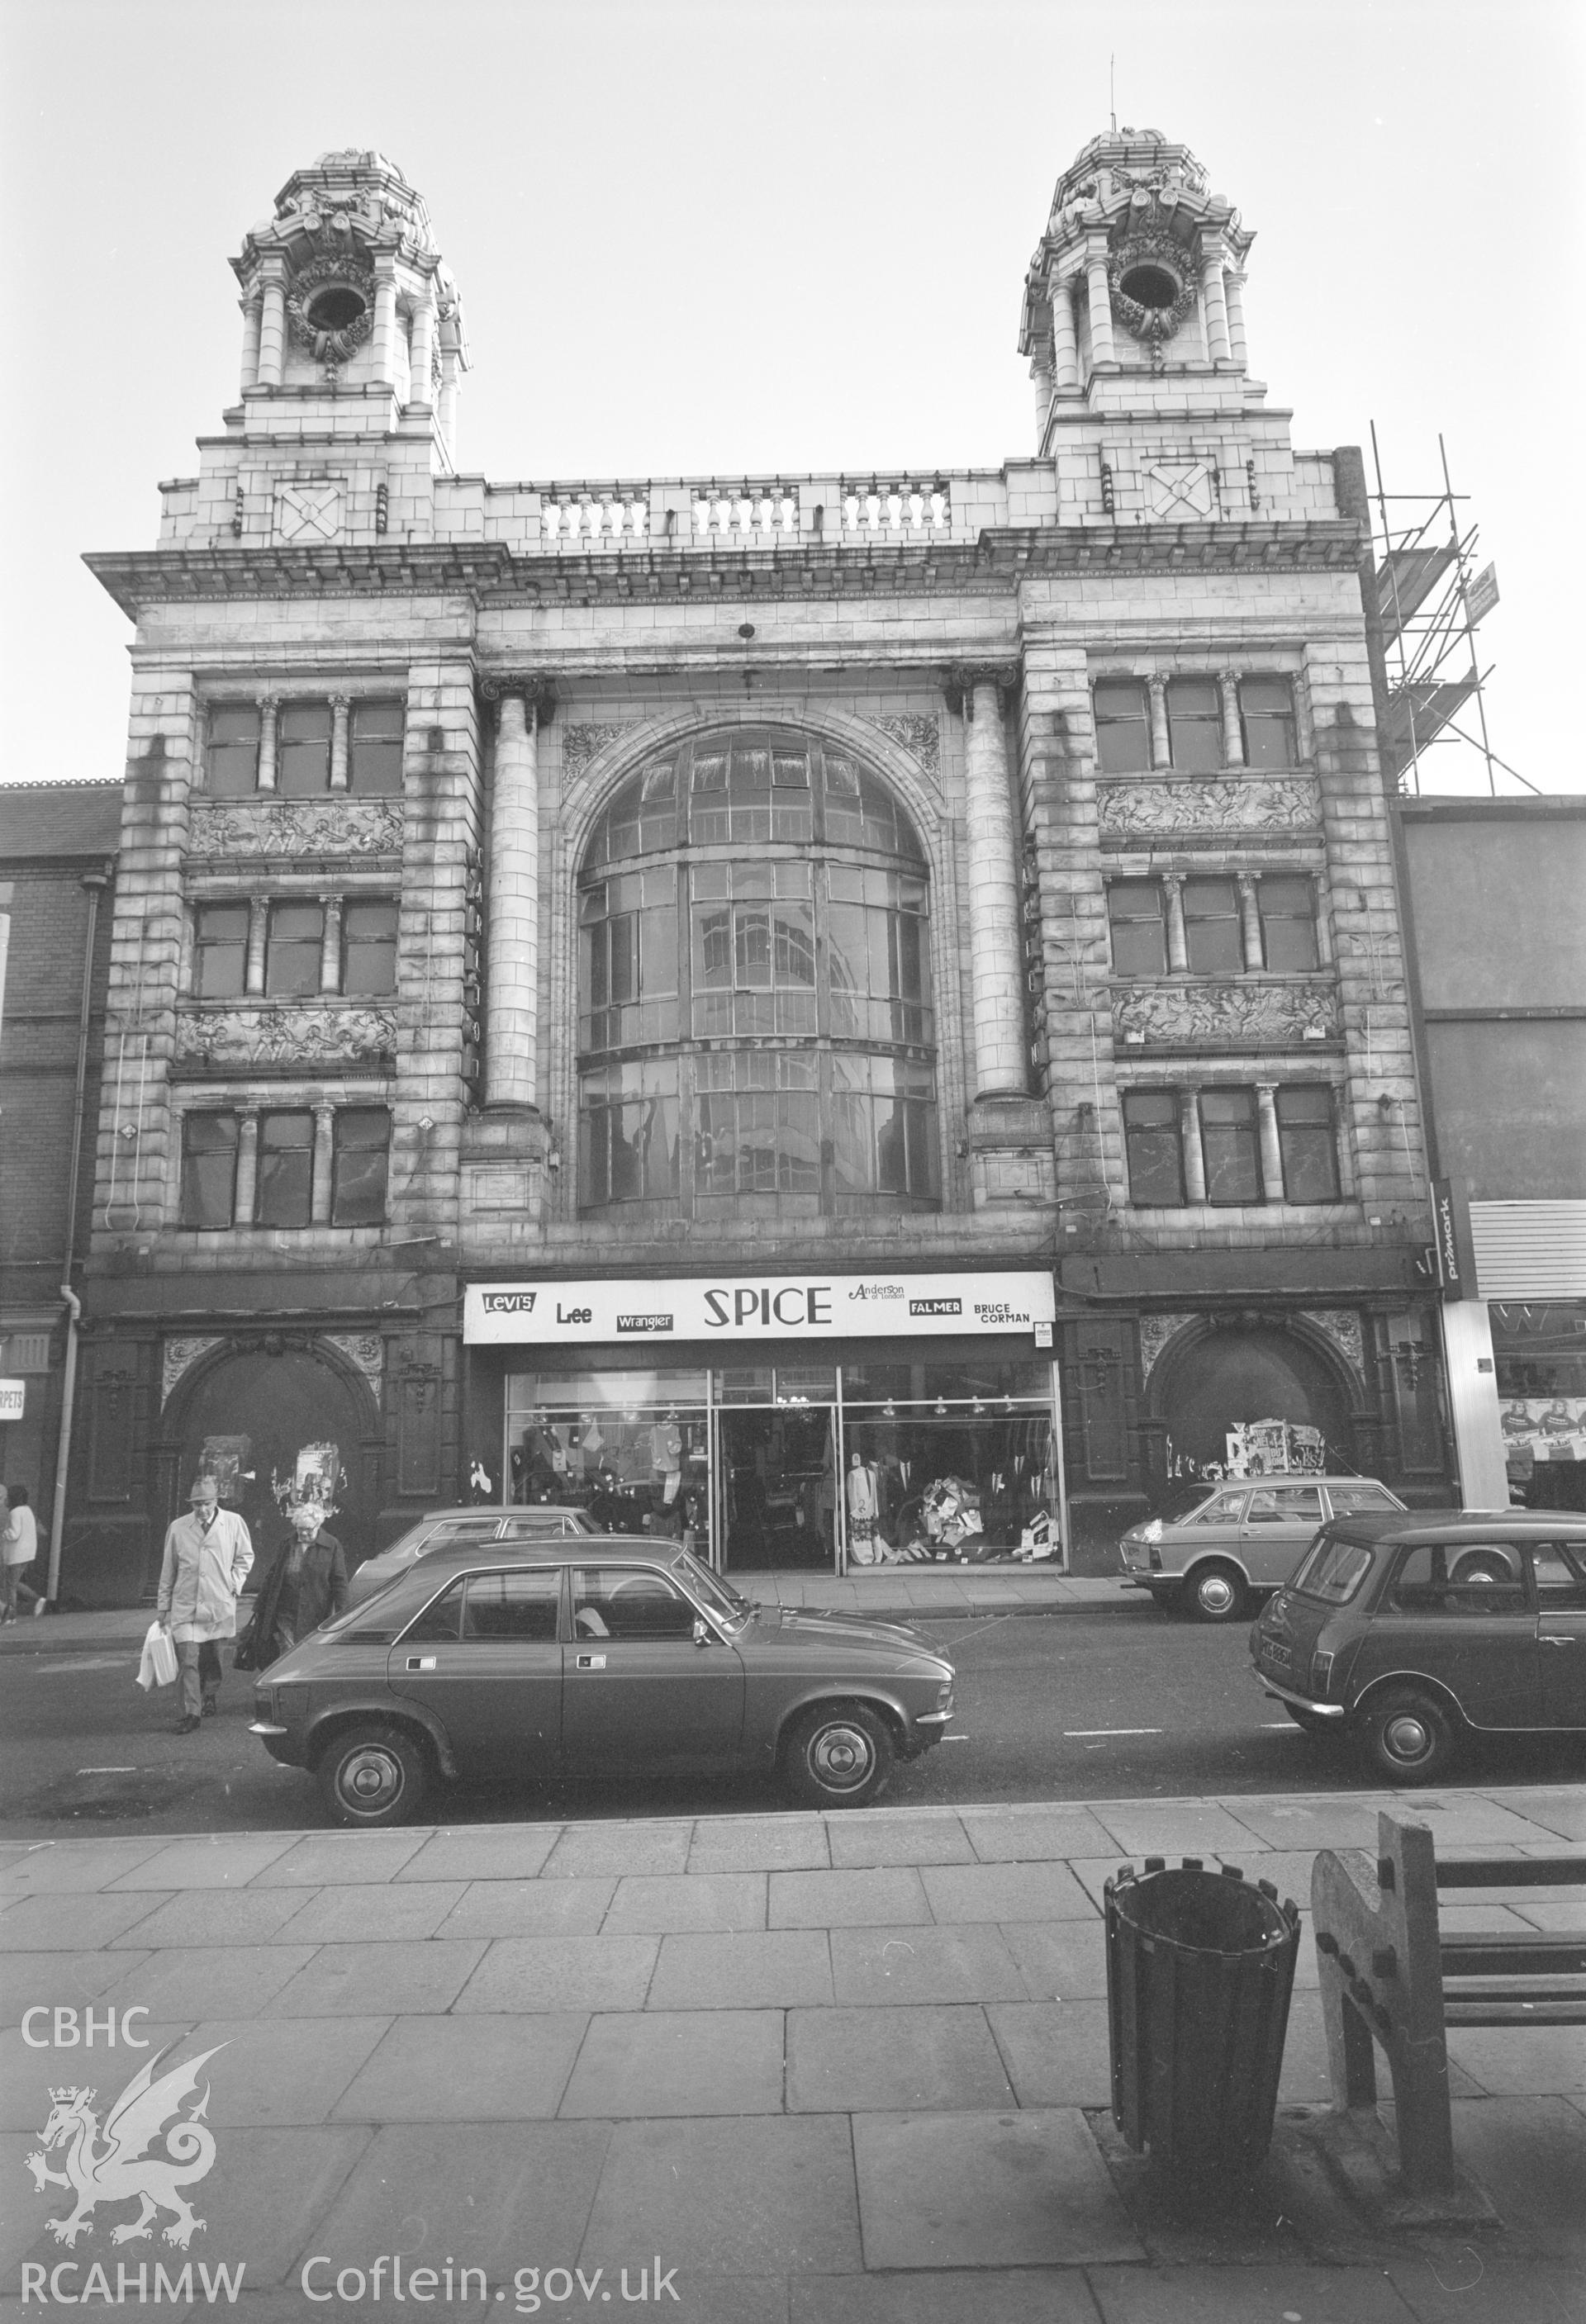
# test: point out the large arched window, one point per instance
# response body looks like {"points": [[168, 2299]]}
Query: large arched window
{"points": [[754, 997]]}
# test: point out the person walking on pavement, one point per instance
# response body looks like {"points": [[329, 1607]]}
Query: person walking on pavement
{"points": [[19, 1546], [207, 1555], [305, 1584]]}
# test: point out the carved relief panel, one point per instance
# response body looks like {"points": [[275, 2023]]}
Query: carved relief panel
{"points": [[1236, 803], [1188, 1015], [277, 1035], [287, 827]]}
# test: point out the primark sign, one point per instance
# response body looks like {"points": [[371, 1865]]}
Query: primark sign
{"points": [[759, 1307]]}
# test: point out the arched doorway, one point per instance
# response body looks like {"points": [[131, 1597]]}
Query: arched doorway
{"points": [[266, 1420], [1214, 1381]]}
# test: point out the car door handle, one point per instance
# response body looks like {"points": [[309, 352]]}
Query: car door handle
{"points": [[592, 1662], [421, 1661], [1548, 1639]]}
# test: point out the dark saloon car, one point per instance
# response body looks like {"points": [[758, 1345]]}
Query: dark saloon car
{"points": [[527, 1660], [1407, 1633]]}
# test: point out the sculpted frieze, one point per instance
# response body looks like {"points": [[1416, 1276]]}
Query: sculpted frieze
{"points": [[1230, 803], [305, 1036], [920, 737], [339, 827], [1235, 1013], [580, 744]]}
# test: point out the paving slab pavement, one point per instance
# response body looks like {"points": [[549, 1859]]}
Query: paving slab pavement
{"points": [[815, 2070]]}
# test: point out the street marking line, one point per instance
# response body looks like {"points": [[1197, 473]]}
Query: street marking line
{"points": [[107, 1771], [53, 1665], [1079, 1734]]}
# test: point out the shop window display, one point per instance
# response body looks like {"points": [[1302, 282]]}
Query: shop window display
{"points": [[1539, 1348]]}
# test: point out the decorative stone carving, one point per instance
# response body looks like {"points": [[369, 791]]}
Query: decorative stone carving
{"points": [[920, 737], [582, 743], [342, 826], [1342, 1327], [1152, 326], [364, 1349], [330, 346], [177, 1357], [1155, 1331], [276, 1035], [1234, 802], [1192, 1014]]}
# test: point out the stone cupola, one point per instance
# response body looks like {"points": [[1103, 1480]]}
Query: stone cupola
{"points": [[346, 300], [1134, 297]]}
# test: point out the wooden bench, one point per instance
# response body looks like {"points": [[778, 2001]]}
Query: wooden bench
{"points": [[1390, 1976]]}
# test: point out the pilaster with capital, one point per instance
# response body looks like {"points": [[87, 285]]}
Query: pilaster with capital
{"points": [[385, 320], [253, 320], [1099, 291], [1233, 292], [1065, 337], [1215, 303], [271, 320], [421, 390]]}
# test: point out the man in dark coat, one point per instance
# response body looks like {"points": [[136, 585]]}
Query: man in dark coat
{"points": [[305, 1585]]}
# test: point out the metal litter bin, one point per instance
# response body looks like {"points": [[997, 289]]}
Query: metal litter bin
{"points": [[1200, 1968]]}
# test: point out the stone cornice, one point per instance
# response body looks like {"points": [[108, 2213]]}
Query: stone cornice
{"points": [[487, 571]]}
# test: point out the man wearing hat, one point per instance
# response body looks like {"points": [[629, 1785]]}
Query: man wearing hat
{"points": [[208, 1554]]}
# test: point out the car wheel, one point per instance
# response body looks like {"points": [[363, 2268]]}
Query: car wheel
{"points": [[1484, 1565], [1215, 1592], [1408, 1735], [837, 1755], [373, 1776]]}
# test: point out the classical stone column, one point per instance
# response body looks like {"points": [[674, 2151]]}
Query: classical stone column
{"points": [[272, 322], [269, 713], [1101, 298], [1214, 304], [1271, 1150], [385, 321], [1250, 918], [1233, 736], [421, 387], [340, 712], [258, 925], [1177, 940], [1065, 338], [330, 946], [323, 1164], [1041, 379], [247, 1166], [251, 320], [1161, 744], [1233, 292], [1189, 1138], [997, 968], [513, 919]]}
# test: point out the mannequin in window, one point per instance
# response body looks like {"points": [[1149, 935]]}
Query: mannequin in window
{"points": [[861, 1495]]}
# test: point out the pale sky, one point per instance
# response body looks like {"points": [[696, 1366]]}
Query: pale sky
{"points": [[781, 234]]}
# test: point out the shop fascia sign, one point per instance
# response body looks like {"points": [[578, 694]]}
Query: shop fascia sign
{"points": [[759, 1307], [12, 1398]]}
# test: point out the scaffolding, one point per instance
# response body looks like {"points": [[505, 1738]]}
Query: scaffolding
{"points": [[1431, 598]]}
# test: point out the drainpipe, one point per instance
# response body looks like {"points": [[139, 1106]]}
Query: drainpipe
{"points": [[94, 884]]}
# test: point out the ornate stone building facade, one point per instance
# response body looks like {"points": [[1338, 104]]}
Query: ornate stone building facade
{"points": [[670, 993]]}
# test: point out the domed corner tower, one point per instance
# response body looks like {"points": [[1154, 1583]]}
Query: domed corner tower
{"points": [[1134, 299], [351, 325]]}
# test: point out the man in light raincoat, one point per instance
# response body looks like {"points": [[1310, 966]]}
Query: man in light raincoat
{"points": [[207, 1555]]}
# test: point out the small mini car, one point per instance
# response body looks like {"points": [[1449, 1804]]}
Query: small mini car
{"points": [[528, 1659], [1208, 1556], [536, 1521], [1410, 1633]]}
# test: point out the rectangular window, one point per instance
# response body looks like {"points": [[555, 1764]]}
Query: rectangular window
{"points": [[374, 749], [884, 1127], [359, 1154], [1230, 1143], [1288, 922], [878, 957], [628, 961], [302, 749], [220, 951], [628, 1133], [369, 946], [286, 1170], [755, 953], [1194, 725], [1154, 1148], [1306, 1141], [292, 954], [208, 1169], [1265, 714], [232, 759], [1139, 933], [1212, 928], [757, 1125], [1123, 726]]}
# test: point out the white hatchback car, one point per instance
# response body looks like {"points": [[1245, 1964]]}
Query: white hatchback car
{"points": [[1241, 1538]]}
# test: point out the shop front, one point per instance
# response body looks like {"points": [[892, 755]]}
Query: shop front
{"points": [[1539, 1350], [835, 1425]]}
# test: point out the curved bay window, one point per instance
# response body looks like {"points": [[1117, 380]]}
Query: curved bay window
{"points": [[755, 1021]]}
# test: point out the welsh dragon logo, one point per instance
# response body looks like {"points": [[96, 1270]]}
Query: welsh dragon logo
{"points": [[118, 2164]]}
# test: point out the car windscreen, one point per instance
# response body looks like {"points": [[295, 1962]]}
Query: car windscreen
{"points": [[1333, 1571], [718, 1595]]}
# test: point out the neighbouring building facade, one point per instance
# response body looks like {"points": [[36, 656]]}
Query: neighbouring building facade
{"points": [[1493, 893], [800, 1011]]}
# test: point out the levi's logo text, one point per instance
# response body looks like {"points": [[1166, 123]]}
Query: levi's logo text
{"points": [[787, 1307], [508, 1303]]}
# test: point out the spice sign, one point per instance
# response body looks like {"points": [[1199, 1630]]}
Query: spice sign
{"points": [[759, 1307], [12, 1398]]}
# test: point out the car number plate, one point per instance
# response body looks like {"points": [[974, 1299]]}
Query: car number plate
{"points": [[1279, 1658]]}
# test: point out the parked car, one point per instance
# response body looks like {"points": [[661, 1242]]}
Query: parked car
{"points": [[528, 1659], [1239, 1539], [1408, 1633], [538, 1521]]}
